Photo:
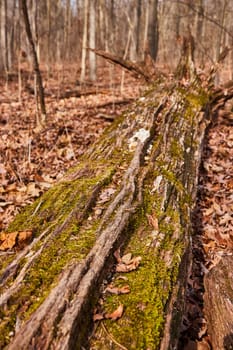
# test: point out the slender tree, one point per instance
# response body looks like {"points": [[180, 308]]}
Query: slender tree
{"points": [[84, 43], [153, 29], [92, 34], [35, 63], [4, 35], [138, 29], [48, 6]]}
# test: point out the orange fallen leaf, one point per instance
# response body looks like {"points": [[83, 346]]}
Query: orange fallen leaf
{"points": [[116, 314], [132, 265], [8, 240], [14, 239], [209, 246], [24, 238], [209, 211], [118, 290]]}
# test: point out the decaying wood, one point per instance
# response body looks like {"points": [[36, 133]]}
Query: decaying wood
{"points": [[219, 304], [154, 153]]}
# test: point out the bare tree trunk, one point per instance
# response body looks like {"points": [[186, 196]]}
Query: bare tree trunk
{"points": [[67, 30], [112, 27], [139, 28], [102, 23], [36, 68], [153, 28], [199, 20], [48, 5], [132, 28], [59, 37], [92, 35], [218, 45], [231, 60], [219, 39], [145, 36], [84, 43], [4, 37]]}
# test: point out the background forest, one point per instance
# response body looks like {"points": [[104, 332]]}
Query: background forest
{"points": [[62, 29]]}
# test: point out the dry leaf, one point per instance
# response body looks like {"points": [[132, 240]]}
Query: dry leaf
{"points": [[32, 191], [106, 194], [24, 238], [18, 239], [118, 290], [11, 187], [8, 240], [115, 314], [225, 219], [98, 317], [117, 255], [2, 169], [209, 246], [126, 258], [153, 221], [132, 265], [217, 208], [209, 211]]}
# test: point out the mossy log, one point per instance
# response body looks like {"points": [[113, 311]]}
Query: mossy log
{"points": [[144, 167]]}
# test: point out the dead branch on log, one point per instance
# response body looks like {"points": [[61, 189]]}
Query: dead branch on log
{"points": [[128, 65], [113, 102]]}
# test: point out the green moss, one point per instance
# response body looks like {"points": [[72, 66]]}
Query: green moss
{"points": [[176, 149], [141, 326], [72, 245], [72, 242], [57, 202]]}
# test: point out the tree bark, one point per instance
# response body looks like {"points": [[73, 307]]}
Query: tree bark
{"points": [[219, 304], [133, 190]]}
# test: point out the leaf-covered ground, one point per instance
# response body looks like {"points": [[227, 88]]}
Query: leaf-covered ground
{"points": [[213, 224], [31, 160]]}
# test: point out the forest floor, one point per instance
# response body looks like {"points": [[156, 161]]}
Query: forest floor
{"points": [[31, 160]]}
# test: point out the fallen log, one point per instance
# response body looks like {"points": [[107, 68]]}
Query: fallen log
{"points": [[133, 190], [219, 304]]}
